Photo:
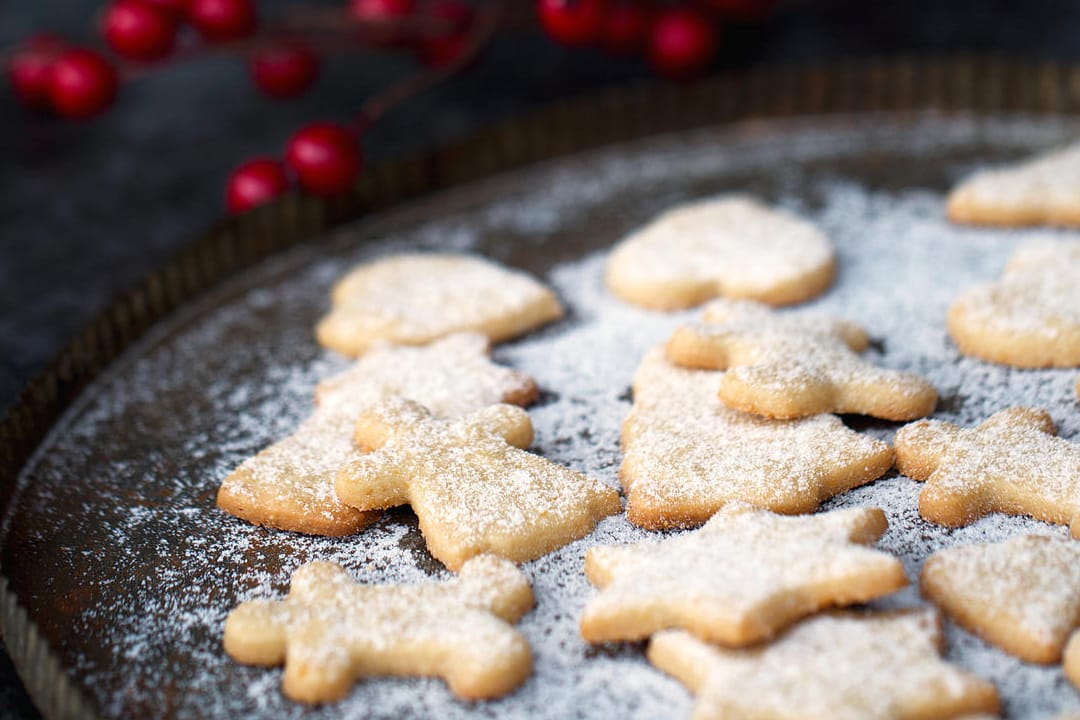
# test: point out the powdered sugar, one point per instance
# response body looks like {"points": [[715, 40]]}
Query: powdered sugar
{"points": [[116, 544]]}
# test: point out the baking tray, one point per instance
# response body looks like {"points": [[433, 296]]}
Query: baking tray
{"points": [[117, 569]]}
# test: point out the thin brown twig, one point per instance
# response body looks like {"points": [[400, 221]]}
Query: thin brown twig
{"points": [[481, 32]]}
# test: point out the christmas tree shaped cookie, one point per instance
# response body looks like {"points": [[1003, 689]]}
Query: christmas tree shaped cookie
{"points": [[686, 454]]}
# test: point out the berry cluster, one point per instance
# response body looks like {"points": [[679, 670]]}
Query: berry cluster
{"points": [[679, 39], [80, 82]]}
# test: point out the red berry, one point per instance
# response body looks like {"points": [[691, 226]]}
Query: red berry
{"points": [[572, 22], [82, 83], [626, 26], [743, 10], [221, 20], [139, 31], [380, 9], [446, 46], [285, 71], [30, 69], [325, 157], [682, 42], [255, 182]]}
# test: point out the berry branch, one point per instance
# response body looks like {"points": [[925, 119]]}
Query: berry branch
{"points": [[679, 38]]}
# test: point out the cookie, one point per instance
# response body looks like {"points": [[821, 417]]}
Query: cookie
{"points": [[1071, 664], [795, 365], [1022, 595], [835, 666], [1043, 190], [1030, 317], [686, 454], [741, 578], [331, 631], [470, 484], [731, 246], [413, 299], [1012, 463], [290, 484]]}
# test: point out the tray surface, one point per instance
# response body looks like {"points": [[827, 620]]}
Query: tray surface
{"points": [[114, 544]]}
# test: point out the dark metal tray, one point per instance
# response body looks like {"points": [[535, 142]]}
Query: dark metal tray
{"points": [[117, 569]]}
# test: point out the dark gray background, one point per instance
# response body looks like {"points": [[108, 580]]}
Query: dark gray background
{"points": [[87, 209]]}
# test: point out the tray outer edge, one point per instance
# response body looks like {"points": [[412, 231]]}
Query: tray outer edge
{"points": [[979, 84]]}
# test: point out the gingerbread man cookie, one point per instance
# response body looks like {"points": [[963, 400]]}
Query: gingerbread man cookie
{"points": [[1031, 316], [836, 666], [741, 578], [795, 365], [1022, 595], [1012, 463], [471, 485], [416, 298], [686, 454], [290, 484], [729, 246], [331, 631], [1038, 191]]}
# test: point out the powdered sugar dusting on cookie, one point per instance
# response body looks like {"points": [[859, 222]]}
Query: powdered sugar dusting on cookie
{"points": [[122, 501], [417, 298], [1024, 592], [686, 454], [731, 246], [832, 667], [290, 484], [1030, 317]]}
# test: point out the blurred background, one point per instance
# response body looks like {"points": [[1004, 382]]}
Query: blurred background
{"points": [[88, 206]]}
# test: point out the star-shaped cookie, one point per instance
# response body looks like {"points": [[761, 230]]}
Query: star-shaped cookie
{"points": [[1012, 463], [290, 484], [1030, 317], [729, 246], [795, 365], [1043, 190], [741, 578], [470, 484], [686, 454], [1022, 595], [331, 631], [835, 666], [416, 298]]}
